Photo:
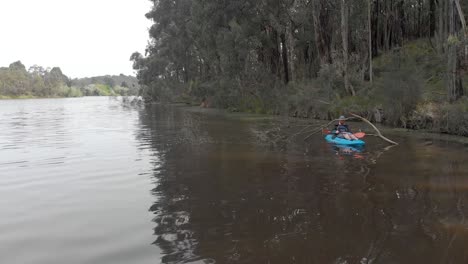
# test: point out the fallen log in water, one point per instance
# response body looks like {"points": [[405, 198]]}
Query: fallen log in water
{"points": [[375, 128], [321, 128], [379, 134]]}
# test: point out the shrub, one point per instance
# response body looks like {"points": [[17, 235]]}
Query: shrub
{"points": [[453, 118], [352, 104], [399, 93], [308, 99]]}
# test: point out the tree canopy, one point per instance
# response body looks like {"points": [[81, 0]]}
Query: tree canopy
{"points": [[37, 81], [16, 81], [271, 56]]}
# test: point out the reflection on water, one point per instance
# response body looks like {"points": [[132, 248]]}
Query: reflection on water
{"points": [[225, 196], [74, 183], [91, 181]]}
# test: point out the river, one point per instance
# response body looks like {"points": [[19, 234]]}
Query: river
{"points": [[91, 180]]}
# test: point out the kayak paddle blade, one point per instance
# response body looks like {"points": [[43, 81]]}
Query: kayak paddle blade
{"points": [[360, 134]]}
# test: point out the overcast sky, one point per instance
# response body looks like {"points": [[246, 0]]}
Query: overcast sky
{"points": [[84, 38]]}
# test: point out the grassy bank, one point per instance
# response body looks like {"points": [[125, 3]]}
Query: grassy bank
{"points": [[4, 97], [61, 92], [287, 129], [105, 90], [64, 92], [37, 82], [25, 97]]}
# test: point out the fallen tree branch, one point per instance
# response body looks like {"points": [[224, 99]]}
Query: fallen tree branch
{"points": [[375, 128], [321, 128], [302, 130]]}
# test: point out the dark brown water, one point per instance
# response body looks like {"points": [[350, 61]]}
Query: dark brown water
{"points": [[91, 181]]}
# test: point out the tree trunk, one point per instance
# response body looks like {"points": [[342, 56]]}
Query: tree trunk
{"points": [[441, 27], [290, 42], [344, 36], [370, 39], [432, 18], [419, 18], [465, 32], [274, 53], [284, 53], [401, 23], [387, 31], [376, 29], [455, 85], [460, 15], [316, 23], [320, 19]]}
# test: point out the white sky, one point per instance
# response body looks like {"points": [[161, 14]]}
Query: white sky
{"points": [[83, 37]]}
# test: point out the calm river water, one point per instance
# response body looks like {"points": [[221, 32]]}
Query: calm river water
{"points": [[90, 180]]}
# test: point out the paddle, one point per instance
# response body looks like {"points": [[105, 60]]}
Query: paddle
{"points": [[358, 134]]}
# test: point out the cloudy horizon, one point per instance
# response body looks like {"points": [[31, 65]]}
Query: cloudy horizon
{"points": [[86, 38]]}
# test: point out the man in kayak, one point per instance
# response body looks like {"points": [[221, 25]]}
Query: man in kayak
{"points": [[342, 130]]}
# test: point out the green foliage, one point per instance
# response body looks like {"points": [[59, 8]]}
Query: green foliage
{"points": [[162, 91], [406, 78], [331, 77], [17, 66], [453, 40], [98, 90], [121, 90], [413, 55], [109, 81], [128, 85], [16, 82], [308, 99], [288, 56], [228, 95], [453, 118], [351, 104], [104, 90], [465, 80], [399, 92], [72, 92]]}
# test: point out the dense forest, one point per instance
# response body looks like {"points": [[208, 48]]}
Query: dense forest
{"points": [[37, 81], [400, 62]]}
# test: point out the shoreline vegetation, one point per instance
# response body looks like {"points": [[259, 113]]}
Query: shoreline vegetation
{"points": [[402, 64], [290, 127], [37, 82]]}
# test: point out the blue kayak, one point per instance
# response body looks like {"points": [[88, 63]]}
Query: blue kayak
{"points": [[343, 141], [348, 149]]}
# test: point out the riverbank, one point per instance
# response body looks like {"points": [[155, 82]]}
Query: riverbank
{"points": [[130, 99], [67, 92], [24, 97], [18, 83], [288, 127], [409, 91], [4, 97]]}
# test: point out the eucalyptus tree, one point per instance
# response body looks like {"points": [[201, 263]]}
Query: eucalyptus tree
{"points": [[259, 49]]}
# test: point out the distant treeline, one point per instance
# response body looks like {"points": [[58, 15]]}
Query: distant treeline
{"points": [[37, 81], [401, 62], [16, 81], [119, 84]]}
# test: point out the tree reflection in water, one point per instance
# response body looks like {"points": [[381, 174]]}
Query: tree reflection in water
{"points": [[224, 196]]}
